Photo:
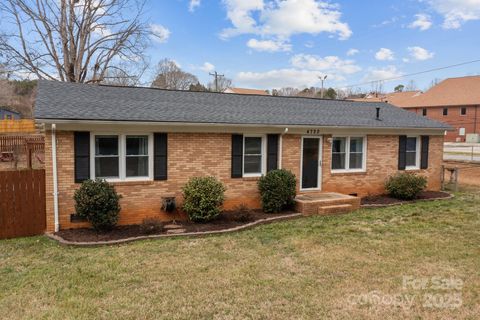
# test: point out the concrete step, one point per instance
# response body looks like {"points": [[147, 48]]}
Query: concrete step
{"points": [[310, 204], [335, 209]]}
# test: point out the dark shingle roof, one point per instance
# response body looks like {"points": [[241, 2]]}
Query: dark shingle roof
{"points": [[71, 101]]}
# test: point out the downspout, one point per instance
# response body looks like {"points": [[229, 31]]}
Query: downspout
{"points": [[281, 148], [55, 178]]}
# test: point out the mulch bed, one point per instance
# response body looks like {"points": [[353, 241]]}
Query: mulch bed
{"points": [[385, 200], [225, 220]]}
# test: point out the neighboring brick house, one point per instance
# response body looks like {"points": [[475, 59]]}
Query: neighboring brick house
{"points": [[454, 101], [149, 142]]}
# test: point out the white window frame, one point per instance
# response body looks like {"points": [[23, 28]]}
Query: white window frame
{"points": [[417, 154], [347, 154], [263, 155], [122, 152]]}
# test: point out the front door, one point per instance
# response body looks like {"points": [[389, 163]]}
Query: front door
{"points": [[311, 163]]}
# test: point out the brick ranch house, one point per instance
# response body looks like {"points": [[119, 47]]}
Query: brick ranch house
{"points": [[454, 101], [149, 142]]}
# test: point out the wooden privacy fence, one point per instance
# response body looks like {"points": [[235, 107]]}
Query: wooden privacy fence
{"points": [[12, 143], [22, 203], [13, 147]]}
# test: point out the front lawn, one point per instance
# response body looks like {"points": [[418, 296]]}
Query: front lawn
{"points": [[310, 268]]}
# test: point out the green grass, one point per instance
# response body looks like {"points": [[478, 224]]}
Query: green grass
{"points": [[300, 269]]}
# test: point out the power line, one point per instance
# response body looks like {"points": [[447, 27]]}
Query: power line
{"points": [[412, 74], [216, 75]]}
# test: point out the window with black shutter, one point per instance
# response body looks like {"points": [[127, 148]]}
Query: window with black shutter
{"points": [[402, 153], [237, 155], [272, 152], [82, 156], [160, 159], [424, 153]]}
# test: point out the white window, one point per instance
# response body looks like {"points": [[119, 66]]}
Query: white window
{"points": [[107, 157], [348, 154], [461, 131], [413, 153], [254, 161], [122, 157]]}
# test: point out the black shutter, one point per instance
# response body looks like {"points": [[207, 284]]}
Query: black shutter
{"points": [[160, 151], [82, 156], [424, 153], [237, 155], [272, 152], [402, 153]]}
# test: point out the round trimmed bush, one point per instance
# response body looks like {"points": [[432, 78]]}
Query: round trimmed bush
{"points": [[405, 186], [277, 190], [98, 202], [203, 198]]}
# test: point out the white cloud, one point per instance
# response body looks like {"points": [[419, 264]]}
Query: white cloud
{"points": [[332, 64], [239, 12], [159, 33], [384, 54], [419, 53], [304, 72], [282, 19], [456, 12], [280, 78], [207, 67], [193, 5], [422, 22], [379, 74], [268, 45], [352, 52], [309, 44]]}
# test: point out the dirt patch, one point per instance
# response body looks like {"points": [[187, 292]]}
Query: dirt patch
{"points": [[224, 221], [385, 200]]}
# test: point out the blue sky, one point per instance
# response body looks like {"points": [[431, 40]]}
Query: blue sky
{"points": [[275, 43]]}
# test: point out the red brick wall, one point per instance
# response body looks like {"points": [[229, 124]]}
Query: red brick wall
{"points": [[382, 161], [200, 154], [470, 121]]}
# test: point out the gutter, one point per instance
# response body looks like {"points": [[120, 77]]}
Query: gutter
{"points": [[219, 124], [281, 148], [55, 176]]}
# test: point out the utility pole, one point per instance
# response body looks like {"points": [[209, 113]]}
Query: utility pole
{"points": [[216, 75], [322, 79]]}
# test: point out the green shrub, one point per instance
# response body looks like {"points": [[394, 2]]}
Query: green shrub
{"points": [[98, 202], [405, 186], [203, 198], [277, 190]]}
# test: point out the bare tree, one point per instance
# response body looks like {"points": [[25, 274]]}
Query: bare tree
{"points": [[170, 76], [72, 40], [377, 87], [411, 86], [4, 72], [434, 82], [18, 95], [288, 92], [223, 84], [124, 75]]}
